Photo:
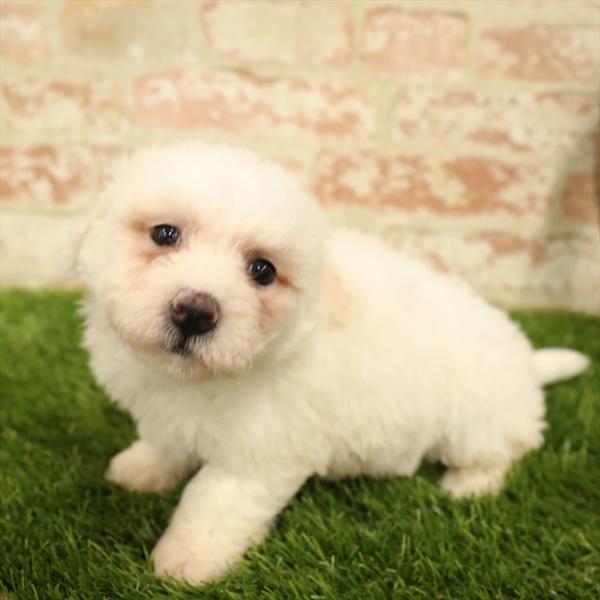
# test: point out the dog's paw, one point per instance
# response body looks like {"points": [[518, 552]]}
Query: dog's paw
{"points": [[473, 481], [194, 559], [142, 469]]}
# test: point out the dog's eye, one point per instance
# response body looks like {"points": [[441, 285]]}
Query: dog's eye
{"points": [[165, 235], [262, 271]]}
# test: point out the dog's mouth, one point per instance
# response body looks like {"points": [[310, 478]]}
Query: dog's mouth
{"points": [[181, 345], [189, 357], [181, 348], [185, 346]]}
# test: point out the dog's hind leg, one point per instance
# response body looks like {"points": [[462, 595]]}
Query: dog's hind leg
{"points": [[475, 480]]}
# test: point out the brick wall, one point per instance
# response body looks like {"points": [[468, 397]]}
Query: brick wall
{"points": [[463, 131]]}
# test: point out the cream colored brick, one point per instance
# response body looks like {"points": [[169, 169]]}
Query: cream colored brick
{"points": [[130, 30], [282, 32]]}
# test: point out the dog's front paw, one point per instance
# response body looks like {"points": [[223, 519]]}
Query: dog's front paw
{"points": [[183, 555], [141, 468]]}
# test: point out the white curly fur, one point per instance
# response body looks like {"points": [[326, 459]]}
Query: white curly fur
{"points": [[355, 361]]}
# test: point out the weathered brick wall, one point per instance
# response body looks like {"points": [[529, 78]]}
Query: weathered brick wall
{"points": [[463, 131]]}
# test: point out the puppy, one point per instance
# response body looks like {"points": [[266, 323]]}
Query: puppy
{"points": [[255, 349]]}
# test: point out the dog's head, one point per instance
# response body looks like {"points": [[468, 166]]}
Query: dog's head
{"points": [[205, 257]]}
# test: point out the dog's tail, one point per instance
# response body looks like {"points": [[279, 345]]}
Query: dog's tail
{"points": [[556, 364]]}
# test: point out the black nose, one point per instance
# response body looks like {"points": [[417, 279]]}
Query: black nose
{"points": [[194, 313]]}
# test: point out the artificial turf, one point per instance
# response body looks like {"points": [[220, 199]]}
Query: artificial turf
{"points": [[67, 533]]}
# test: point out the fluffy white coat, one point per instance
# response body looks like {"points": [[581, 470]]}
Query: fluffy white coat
{"points": [[356, 361]]}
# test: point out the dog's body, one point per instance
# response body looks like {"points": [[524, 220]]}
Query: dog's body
{"points": [[354, 360]]}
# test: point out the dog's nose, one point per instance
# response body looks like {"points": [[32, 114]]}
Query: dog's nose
{"points": [[194, 313]]}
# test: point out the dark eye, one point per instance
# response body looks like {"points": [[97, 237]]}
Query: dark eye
{"points": [[262, 271], [165, 235]]}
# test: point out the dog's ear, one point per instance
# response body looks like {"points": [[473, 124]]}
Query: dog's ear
{"points": [[84, 230], [339, 301], [81, 231], [90, 226]]}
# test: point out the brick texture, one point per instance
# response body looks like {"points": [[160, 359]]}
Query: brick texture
{"points": [[46, 176], [237, 103], [463, 186], [282, 32], [465, 132], [592, 6], [555, 123], [417, 44], [65, 106], [541, 53], [581, 199], [27, 32], [506, 265], [117, 31]]}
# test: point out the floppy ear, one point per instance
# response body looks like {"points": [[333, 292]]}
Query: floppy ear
{"points": [[71, 268], [339, 301], [87, 228], [80, 233], [85, 255]]}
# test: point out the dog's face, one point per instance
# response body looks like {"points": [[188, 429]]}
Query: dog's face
{"points": [[204, 257]]}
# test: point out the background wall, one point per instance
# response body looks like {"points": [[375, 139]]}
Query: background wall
{"points": [[463, 131]]}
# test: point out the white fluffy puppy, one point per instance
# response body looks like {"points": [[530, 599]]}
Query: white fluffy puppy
{"points": [[246, 339]]}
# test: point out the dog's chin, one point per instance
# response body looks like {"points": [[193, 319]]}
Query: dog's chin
{"points": [[195, 359], [185, 366], [186, 363]]}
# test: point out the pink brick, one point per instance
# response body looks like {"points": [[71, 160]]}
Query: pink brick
{"points": [[541, 53], [28, 31], [538, 122], [458, 186], [46, 176], [240, 104], [581, 199], [65, 106], [416, 44], [283, 32]]}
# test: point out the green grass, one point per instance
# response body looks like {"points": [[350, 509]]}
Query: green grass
{"points": [[66, 533]]}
